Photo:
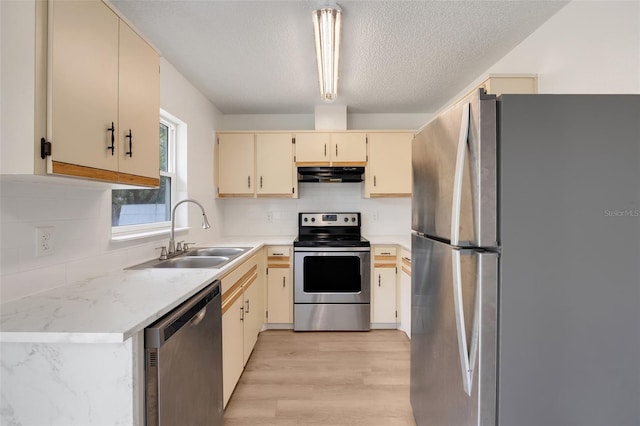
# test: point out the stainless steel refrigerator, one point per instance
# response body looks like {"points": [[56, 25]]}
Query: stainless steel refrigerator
{"points": [[525, 262]]}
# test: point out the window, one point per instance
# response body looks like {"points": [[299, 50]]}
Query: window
{"points": [[135, 210]]}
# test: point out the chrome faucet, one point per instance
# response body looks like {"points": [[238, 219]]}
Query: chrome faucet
{"points": [[205, 223]]}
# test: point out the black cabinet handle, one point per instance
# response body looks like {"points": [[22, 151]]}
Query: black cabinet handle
{"points": [[130, 137], [112, 129], [248, 181], [260, 182]]}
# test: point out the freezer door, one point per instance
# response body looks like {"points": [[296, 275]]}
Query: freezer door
{"points": [[453, 334], [454, 175]]}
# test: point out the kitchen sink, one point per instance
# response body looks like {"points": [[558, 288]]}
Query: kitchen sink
{"points": [[230, 252], [193, 262], [199, 257]]}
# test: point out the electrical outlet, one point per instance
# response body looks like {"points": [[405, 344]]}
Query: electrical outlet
{"points": [[376, 216], [269, 217], [45, 240]]}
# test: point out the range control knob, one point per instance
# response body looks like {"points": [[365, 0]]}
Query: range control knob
{"points": [[313, 219], [306, 219], [346, 219], [353, 219]]}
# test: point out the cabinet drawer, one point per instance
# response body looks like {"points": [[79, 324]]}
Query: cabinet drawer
{"points": [[278, 251], [234, 279], [384, 251]]}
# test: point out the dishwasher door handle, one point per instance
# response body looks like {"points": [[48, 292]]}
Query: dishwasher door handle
{"points": [[197, 319]]}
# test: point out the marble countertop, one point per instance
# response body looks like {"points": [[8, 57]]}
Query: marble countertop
{"points": [[403, 240], [111, 308]]}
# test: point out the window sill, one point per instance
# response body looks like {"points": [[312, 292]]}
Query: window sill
{"points": [[138, 235]]}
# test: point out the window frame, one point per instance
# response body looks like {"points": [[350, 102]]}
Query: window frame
{"points": [[157, 227]]}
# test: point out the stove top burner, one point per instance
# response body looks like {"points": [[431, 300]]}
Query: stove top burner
{"points": [[329, 230], [331, 242]]}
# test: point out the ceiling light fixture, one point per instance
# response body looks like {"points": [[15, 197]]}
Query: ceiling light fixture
{"points": [[326, 29]]}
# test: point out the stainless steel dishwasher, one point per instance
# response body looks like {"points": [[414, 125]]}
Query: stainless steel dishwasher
{"points": [[183, 363]]}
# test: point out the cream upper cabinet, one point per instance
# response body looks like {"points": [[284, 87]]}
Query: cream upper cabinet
{"points": [[388, 172], [313, 149], [349, 149], [139, 105], [275, 169], [104, 80], [236, 165], [512, 84], [83, 91], [325, 149]]}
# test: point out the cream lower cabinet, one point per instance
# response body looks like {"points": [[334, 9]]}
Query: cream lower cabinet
{"points": [[279, 286], [242, 319], [253, 296], [388, 172], [404, 293], [232, 345], [383, 287], [104, 96]]}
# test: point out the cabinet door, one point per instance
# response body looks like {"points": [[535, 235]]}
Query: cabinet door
{"points": [[253, 315], [389, 164], [279, 295], [232, 345], [274, 164], [235, 165], [404, 301], [349, 149], [384, 295], [313, 149], [139, 106], [83, 94]]}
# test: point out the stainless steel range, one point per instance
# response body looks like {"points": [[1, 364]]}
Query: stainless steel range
{"points": [[331, 273]]}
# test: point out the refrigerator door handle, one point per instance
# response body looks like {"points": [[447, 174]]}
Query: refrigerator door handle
{"points": [[467, 357], [457, 181]]}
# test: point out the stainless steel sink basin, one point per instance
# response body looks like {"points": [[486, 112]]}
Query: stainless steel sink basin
{"points": [[193, 262], [199, 257], [230, 252]]}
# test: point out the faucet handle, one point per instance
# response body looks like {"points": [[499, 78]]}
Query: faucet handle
{"points": [[163, 253], [179, 246], [185, 246]]}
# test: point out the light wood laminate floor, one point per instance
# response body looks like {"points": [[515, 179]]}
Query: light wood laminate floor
{"points": [[324, 378]]}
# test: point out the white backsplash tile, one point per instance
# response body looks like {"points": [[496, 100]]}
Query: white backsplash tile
{"points": [[380, 216], [81, 217]]}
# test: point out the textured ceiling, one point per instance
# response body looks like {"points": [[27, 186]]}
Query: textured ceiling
{"points": [[257, 57]]}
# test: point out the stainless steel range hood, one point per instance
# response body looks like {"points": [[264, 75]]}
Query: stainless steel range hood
{"points": [[330, 174]]}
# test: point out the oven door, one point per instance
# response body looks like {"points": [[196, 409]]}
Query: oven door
{"points": [[332, 275]]}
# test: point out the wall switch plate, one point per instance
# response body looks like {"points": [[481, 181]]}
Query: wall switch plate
{"points": [[270, 217], [45, 240]]}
